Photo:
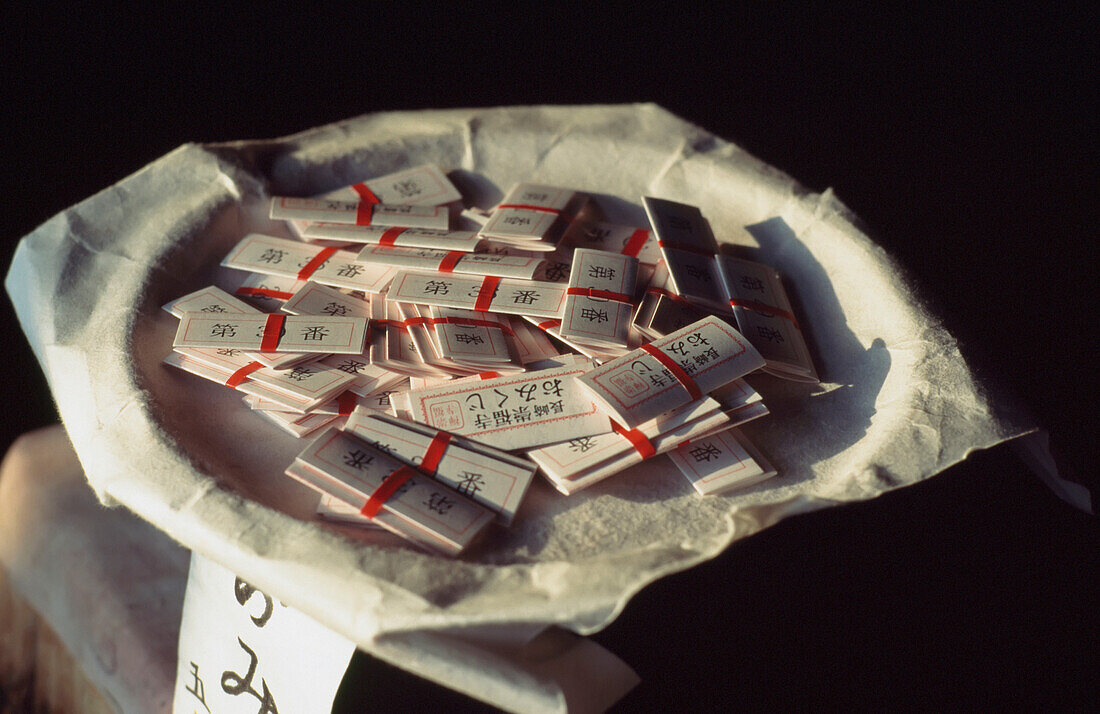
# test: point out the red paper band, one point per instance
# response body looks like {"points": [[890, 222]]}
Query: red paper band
{"points": [[601, 294], [666, 293], [363, 213], [471, 322], [389, 485], [636, 438], [549, 324], [365, 194], [418, 322], [766, 309], [488, 375], [266, 292], [389, 236], [485, 294], [447, 265], [528, 207], [677, 371], [434, 454], [315, 262], [273, 330], [241, 374], [345, 403], [635, 242], [686, 247], [391, 323]]}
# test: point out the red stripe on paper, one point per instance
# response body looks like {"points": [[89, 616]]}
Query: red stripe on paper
{"points": [[488, 375], [666, 293], [266, 292], [677, 371], [602, 294], [363, 213], [389, 236], [549, 324], [485, 294], [636, 438], [273, 329], [635, 242], [365, 194], [434, 454], [241, 374], [315, 262], [389, 485], [528, 207], [345, 403], [471, 322], [447, 265], [764, 308]]}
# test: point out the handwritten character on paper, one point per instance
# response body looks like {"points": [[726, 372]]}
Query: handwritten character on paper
{"points": [[470, 483], [349, 270], [525, 297], [705, 452], [593, 315], [750, 283], [351, 366], [213, 308], [197, 688], [244, 592], [301, 373], [236, 685], [315, 333], [223, 330], [335, 309], [358, 459], [439, 503], [437, 287], [272, 256], [601, 272]]}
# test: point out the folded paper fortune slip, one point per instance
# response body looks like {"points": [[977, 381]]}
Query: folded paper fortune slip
{"points": [[897, 402]]}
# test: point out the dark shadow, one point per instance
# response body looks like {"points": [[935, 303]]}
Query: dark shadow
{"points": [[481, 192]]}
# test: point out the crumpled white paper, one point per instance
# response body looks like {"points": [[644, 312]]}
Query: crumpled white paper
{"points": [[898, 403]]}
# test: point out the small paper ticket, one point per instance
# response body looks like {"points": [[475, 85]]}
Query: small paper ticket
{"points": [[268, 291], [210, 300], [488, 294], [290, 258], [422, 185], [765, 318], [420, 508], [273, 333], [312, 380], [316, 299], [298, 425], [443, 261], [287, 402], [640, 448], [497, 484], [465, 241], [531, 212], [688, 248], [512, 412], [469, 336], [531, 344], [671, 372], [359, 213], [600, 299], [626, 240], [721, 462]]}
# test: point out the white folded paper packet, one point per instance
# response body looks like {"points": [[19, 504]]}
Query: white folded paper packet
{"points": [[897, 402]]}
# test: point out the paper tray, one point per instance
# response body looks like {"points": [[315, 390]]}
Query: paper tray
{"points": [[898, 404]]}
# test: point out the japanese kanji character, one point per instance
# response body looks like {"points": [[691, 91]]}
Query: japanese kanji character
{"points": [[470, 483], [557, 407], [695, 339], [705, 452], [678, 348], [223, 330], [482, 422], [439, 503], [600, 272], [213, 308], [502, 417], [698, 273], [437, 287], [593, 315], [555, 271], [769, 334], [469, 338], [315, 332], [228, 352], [524, 297], [750, 283], [596, 234], [407, 188], [358, 459], [272, 255], [351, 366], [517, 221], [349, 270], [521, 414], [582, 444], [335, 308], [197, 688], [527, 392], [301, 373]]}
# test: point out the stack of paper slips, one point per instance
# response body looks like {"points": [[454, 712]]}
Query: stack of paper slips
{"points": [[427, 350]]}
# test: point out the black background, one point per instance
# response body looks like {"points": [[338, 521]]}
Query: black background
{"points": [[966, 142]]}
